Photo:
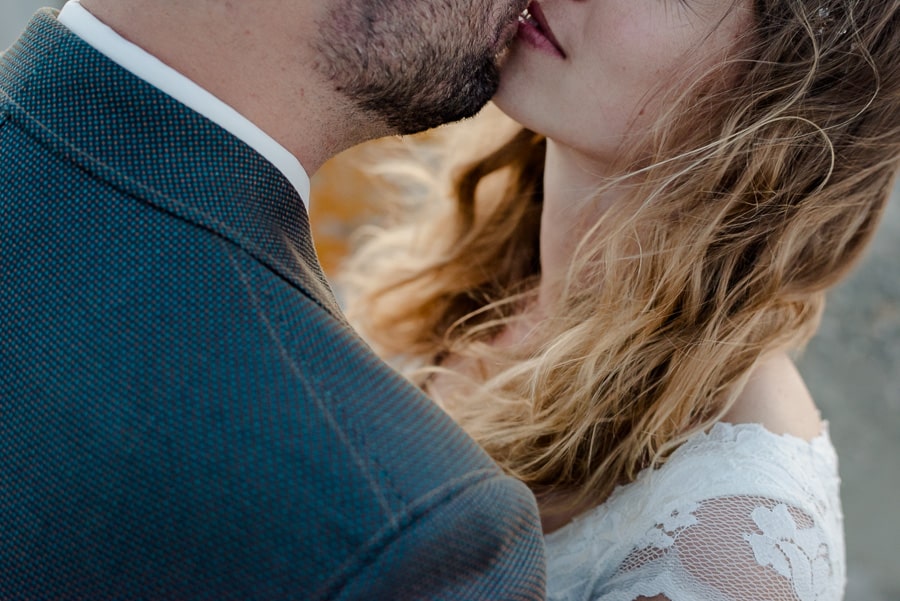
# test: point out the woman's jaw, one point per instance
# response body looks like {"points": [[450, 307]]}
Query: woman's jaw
{"points": [[594, 76]]}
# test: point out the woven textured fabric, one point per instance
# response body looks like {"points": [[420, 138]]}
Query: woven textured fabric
{"points": [[184, 413]]}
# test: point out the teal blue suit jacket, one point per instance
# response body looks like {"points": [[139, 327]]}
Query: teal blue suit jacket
{"points": [[184, 413]]}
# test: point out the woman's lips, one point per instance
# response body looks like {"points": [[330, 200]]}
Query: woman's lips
{"points": [[533, 28], [506, 31]]}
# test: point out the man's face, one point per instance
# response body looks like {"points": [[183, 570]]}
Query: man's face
{"points": [[417, 63]]}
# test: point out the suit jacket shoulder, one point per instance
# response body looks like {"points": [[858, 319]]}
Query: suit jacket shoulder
{"points": [[185, 412]]}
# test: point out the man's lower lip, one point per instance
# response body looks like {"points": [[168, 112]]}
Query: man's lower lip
{"points": [[533, 36]]}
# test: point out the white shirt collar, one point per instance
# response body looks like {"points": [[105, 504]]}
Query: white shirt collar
{"points": [[144, 65]]}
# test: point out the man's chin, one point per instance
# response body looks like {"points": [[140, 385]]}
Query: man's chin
{"points": [[456, 103]]}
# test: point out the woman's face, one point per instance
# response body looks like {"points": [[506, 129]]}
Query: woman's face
{"points": [[594, 82]]}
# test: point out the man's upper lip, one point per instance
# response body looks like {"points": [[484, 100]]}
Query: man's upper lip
{"points": [[538, 14]]}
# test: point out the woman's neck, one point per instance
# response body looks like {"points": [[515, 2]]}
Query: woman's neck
{"points": [[571, 206]]}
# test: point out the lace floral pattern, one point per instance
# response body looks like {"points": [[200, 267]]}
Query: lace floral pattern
{"points": [[736, 514], [662, 536], [798, 554]]}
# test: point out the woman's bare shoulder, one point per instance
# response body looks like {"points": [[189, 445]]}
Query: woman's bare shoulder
{"points": [[777, 398]]}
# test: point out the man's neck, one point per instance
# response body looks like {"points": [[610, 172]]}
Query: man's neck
{"points": [[266, 73]]}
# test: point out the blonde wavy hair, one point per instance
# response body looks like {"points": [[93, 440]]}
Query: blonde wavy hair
{"points": [[731, 234]]}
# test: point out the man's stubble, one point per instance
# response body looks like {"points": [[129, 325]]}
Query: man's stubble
{"points": [[412, 64]]}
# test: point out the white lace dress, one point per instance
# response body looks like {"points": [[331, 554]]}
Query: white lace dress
{"points": [[737, 514]]}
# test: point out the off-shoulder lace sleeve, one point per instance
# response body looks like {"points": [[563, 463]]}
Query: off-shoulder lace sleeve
{"points": [[736, 514], [730, 549]]}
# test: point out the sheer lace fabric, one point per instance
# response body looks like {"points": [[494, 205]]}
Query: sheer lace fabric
{"points": [[737, 514]]}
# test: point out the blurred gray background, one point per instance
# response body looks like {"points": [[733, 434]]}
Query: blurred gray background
{"points": [[853, 369]]}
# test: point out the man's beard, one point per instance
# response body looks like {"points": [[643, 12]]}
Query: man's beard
{"points": [[428, 98], [385, 65]]}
